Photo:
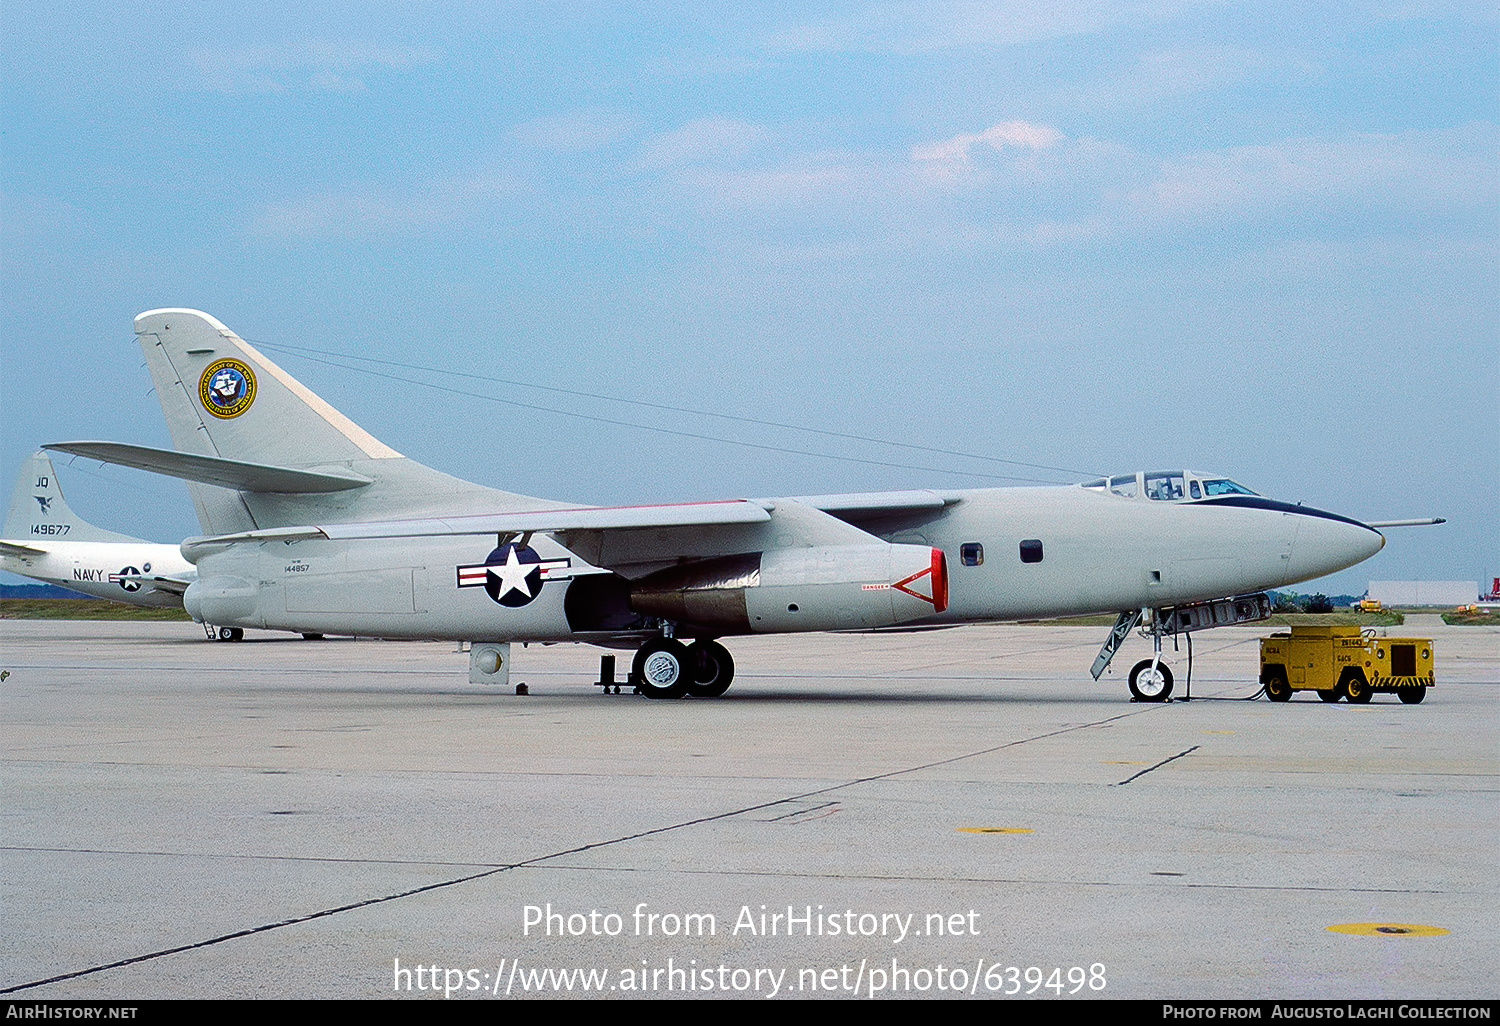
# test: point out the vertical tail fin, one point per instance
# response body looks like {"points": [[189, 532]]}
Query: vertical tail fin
{"points": [[223, 398], [38, 511]]}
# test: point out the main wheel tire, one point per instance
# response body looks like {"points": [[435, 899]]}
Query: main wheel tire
{"points": [[311, 636], [712, 669], [662, 668], [1356, 688], [1277, 689], [1147, 686], [1331, 695], [1411, 696], [231, 634]]}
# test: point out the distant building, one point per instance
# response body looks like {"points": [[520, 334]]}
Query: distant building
{"points": [[1424, 593]]}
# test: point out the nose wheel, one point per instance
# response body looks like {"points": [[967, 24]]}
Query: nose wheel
{"points": [[1150, 681]]}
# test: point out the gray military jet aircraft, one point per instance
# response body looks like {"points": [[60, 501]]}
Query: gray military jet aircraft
{"points": [[45, 540], [313, 525]]}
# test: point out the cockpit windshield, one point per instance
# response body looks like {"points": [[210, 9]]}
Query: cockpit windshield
{"points": [[1223, 486], [1167, 486]]}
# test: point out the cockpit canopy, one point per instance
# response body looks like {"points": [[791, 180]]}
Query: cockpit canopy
{"points": [[1167, 485]]}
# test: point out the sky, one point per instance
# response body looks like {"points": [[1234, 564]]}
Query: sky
{"points": [[907, 245]]}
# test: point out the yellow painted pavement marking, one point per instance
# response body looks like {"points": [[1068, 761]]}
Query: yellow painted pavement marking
{"points": [[1388, 930]]}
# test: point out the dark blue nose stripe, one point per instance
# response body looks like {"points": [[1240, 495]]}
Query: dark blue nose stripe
{"points": [[1259, 502]]}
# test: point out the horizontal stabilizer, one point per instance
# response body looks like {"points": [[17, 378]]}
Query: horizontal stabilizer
{"points": [[12, 549], [587, 518], [170, 585], [245, 477]]}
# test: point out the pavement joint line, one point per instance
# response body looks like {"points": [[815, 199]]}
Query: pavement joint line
{"points": [[1019, 881], [1148, 769], [244, 855], [469, 878], [720, 871]]}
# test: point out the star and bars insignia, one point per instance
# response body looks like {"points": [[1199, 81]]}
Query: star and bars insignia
{"points": [[512, 575]]}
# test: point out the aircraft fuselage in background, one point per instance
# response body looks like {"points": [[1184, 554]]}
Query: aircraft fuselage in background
{"points": [[107, 570]]}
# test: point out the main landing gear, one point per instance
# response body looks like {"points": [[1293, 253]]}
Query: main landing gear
{"points": [[666, 668]]}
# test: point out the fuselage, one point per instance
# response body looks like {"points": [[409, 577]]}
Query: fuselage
{"points": [[1009, 553]]}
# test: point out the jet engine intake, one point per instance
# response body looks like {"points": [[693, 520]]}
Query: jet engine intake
{"points": [[223, 600], [830, 587]]}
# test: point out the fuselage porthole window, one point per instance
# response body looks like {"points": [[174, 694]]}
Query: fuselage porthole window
{"points": [[1031, 550], [1196, 492], [971, 554]]}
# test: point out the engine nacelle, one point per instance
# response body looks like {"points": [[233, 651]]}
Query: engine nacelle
{"points": [[831, 587], [223, 600]]}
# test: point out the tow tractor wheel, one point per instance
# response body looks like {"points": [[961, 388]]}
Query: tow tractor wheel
{"points": [[1148, 685], [1277, 689], [1331, 694], [1356, 688], [712, 669], [661, 668], [1411, 696]]}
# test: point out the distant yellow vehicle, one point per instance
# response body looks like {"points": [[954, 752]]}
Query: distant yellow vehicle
{"points": [[1369, 606], [1343, 662]]}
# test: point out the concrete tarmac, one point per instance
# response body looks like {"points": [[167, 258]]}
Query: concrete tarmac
{"points": [[914, 815]]}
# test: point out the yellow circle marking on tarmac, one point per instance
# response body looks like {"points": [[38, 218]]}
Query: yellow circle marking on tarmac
{"points": [[1219, 732], [996, 830], [1119, 763], [1388, 930]]}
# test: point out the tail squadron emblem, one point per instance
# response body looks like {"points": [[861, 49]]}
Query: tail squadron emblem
{"points": [[45, 501], [227, 388]]}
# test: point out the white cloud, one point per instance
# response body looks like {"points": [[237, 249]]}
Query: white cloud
{"points": [[577, 131], [361, 210], [710, 140], [326, 65], [927, 27], [1019, 134], [1414, 170]]}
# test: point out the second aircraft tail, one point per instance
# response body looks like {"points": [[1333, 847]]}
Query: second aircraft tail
{"points": [[39, 513]]}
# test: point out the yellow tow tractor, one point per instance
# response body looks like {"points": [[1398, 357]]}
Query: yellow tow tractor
{"points": [[1345, 662]]}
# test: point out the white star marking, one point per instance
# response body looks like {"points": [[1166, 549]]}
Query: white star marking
{"points": [[512, 575]]}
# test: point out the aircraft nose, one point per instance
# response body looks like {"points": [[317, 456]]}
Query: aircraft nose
{"points": [[1327, 543]]}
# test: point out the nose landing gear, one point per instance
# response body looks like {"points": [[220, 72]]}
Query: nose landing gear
{"points": [[1151, 681]]}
